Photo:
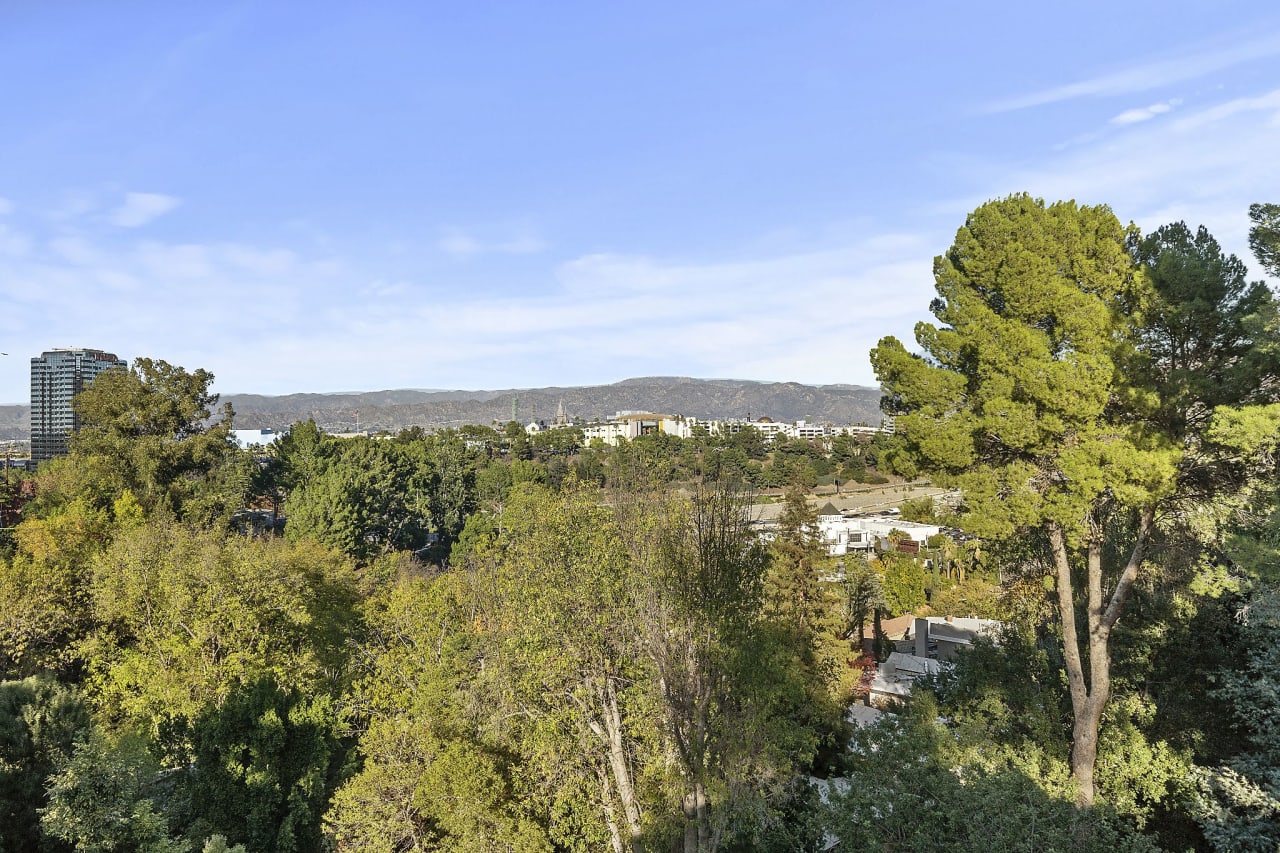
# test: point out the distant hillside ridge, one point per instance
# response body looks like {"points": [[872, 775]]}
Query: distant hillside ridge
{"points": [[15, 423], [700, 398], [395, 410]]}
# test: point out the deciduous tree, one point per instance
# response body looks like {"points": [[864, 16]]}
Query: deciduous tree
{"points": [[564, 643], [155, 422], [265, 765], [732, 701], [864, 596], [431, 779], [105, 799], [365, 498], [903, 582], [188, 617]]}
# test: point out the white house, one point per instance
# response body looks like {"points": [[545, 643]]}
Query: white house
{"points": [[248, 438], [861, 533], [942, 636], [894, 677]]}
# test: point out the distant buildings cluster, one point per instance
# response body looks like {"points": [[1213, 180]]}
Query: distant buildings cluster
{"points": [[628, 425]]}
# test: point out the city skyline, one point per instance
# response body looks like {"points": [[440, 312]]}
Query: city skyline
{"points": [[312, 199]]}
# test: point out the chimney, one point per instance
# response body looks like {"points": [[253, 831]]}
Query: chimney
{"points": [[922, 637]]}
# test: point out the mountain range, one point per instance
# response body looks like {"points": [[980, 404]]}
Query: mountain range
{"points": [[395, 410]]}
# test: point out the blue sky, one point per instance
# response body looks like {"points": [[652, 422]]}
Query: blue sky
{"points": [[323, 196]]}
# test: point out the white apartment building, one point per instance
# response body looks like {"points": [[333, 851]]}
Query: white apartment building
{"points": [[799, 429], [624, 426]]}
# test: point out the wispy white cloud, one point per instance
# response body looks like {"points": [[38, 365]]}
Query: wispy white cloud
{"points": [[77, 250], [167, 262], [6, 206], [265, 262], [382, 289], [203, 305], [459, 243], [117, 281], [140, 208], [807, 316], [1205, 166], [1150, 75], [1141, 114], [13, 242], [73, 206], [1266, 103], [301, 323], [805, 306]]}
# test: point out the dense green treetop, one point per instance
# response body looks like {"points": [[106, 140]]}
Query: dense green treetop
{"points": [[154, 421], [915, 785], [1264, 236], [102, 799], [364, 498], [189, 616], [1199, 328], [1013, 401], [40, 723], [153, 398], [793, 585], [1239, 802]]}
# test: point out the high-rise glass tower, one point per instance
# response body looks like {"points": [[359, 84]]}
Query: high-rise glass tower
{"points": [[56, 377]]}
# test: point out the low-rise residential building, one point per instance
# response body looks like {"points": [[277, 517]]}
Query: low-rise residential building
{"points": [[861, 430], [609, 432], [840, 535], [942, 637], [863, 715], [810, 432], [250, 438], [893, 679], [843, 535]]}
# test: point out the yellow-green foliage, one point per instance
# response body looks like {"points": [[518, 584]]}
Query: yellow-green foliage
{"points": [[187, 616]]}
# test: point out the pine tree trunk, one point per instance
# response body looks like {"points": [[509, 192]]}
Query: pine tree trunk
{"points": [[1089, 696]]}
